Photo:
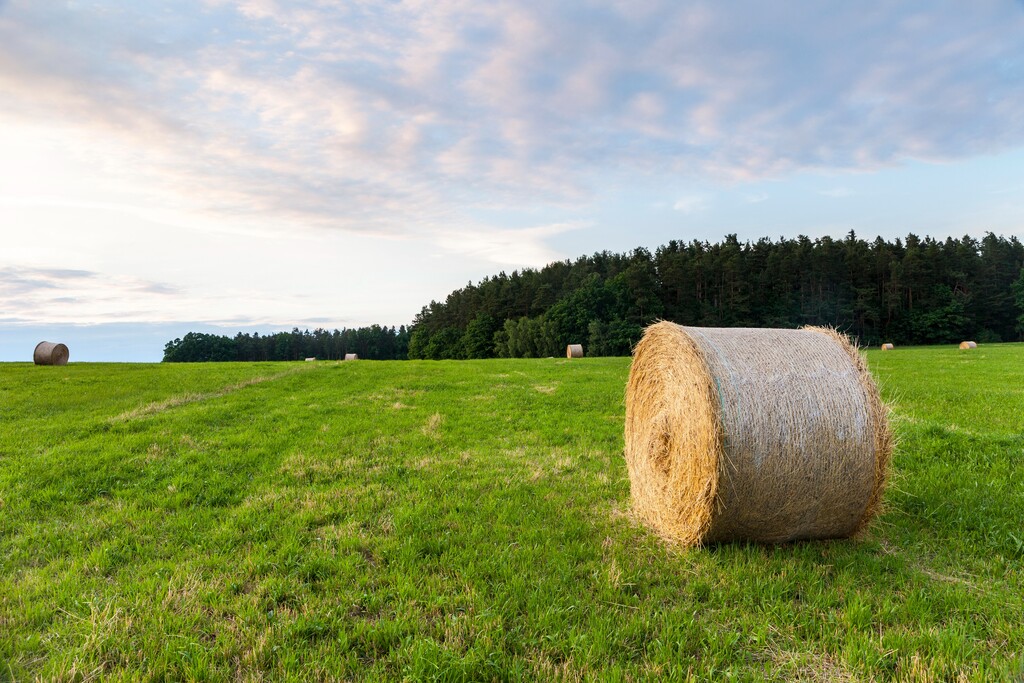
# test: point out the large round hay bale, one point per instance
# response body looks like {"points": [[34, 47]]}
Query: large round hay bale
{"points": [[968, 345], [351, 356], [50, 353], [574, 351], [753, 434], [887, 347]]}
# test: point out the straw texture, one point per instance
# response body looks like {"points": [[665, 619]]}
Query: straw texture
{"points": [[753, 434], [50, 353], [887, 347], [351, 356], [574, 351], [968, 345]]}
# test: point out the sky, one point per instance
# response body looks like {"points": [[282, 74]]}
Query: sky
{"points": [[244, 165]]}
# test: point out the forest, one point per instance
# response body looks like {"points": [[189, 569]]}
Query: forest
{"points": [[907, 291], [374, 342]]}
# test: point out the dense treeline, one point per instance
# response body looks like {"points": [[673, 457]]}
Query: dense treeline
{"points": [[374, 343], [912, 291]]}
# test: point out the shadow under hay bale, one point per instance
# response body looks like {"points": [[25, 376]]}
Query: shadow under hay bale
{"points": [[753, 434], [50, 353], [887, 347], [968, 345], [574, 351]]}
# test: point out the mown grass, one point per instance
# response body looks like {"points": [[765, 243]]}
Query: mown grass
{"points": [[470, 521]]}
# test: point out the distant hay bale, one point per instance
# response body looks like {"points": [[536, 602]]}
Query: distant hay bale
{"points": [[50, 353], [887, 347], [574, 351], [310, 359], [753, 434], [351, 356], [968, 345]]}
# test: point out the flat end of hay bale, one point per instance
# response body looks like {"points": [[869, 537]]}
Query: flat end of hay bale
{"points": [[673, 435]]}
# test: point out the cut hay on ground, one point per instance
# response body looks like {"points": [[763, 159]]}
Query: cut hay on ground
{"points": [[50, 353], [574, 351], [968, 345], [887, 347], [754, 434], [351, 356]]}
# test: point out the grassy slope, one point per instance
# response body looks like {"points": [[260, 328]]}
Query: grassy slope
{"points": [[469, 521]]}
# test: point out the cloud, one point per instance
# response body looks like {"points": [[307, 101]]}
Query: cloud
{"points": [[369, 117], [59, 274], [68, 295], [511, 247], [837, 192], [18, 283], [691, 204]]}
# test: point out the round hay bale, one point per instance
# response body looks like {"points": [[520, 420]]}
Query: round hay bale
{"points": [[753, 434], [351, 356], [50, 353], [887, 347], [574, 351], [968, 345]]}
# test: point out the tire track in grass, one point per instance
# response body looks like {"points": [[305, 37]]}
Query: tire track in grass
{"points": [[157, 407]]}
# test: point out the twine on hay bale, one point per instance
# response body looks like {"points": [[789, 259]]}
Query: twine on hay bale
{"points": [[50, 353], [574, 351], [968, 345], [351, 356], [887, 347], [753, 434]]}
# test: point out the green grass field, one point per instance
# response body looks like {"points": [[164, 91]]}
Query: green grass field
{"points": [[469, 521]]}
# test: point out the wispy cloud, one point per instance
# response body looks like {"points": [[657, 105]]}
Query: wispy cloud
{"points": [[691, 204], [513, 247], [56, 294], [363, 116]]}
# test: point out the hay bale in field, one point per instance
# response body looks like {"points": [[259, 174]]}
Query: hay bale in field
{"points": [[887, 347], [574, 351], [50, 353], [308, 360], [754, 434], [968, 345], [351, 356]]}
